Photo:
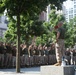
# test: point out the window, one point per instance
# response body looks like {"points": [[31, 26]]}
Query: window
{"points": [[74, 2], [1, 32], [5, 21], [70, 16], [71, 11], [0, 19], [74, 6], [74, 10], [74, 14]]}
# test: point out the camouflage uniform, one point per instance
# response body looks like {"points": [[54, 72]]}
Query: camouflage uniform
{"points": [[60, 46], [60, 49]]}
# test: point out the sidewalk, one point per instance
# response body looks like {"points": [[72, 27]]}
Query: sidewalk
{"points": [[24, 71]]}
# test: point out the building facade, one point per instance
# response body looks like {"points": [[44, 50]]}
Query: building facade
{"points": [[3, 25], [69, 9], [44, 16]]}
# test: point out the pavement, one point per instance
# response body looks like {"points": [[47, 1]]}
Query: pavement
{"points": [[24, 71]]}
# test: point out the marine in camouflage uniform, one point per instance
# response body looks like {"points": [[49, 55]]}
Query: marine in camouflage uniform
{"points": [[60, 45]]}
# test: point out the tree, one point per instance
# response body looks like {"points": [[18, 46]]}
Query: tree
{"points": [[53, 20], [71, 32], [29, 28], [25, 8]]}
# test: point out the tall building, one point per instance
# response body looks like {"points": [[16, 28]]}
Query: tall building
{"points": [[3, 25], [69, 9], [44, 16], [48, 12]]}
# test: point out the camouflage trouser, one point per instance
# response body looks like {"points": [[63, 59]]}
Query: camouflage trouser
{"points": [[60, 49]]}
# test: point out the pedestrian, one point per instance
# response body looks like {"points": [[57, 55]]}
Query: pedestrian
{"points": [[59, 44]]}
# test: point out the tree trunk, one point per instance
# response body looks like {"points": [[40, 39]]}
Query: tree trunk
{"points": [[18, 45]]}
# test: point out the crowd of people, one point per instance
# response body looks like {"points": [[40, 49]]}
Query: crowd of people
{"points": [[31, 55]]}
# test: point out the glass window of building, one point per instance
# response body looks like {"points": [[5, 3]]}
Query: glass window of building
{"points": [[71, 11], [66, 12], [0, 19], [74, 2], [74, 10], [1, 33], [70, 16], [74, 6], [74, 15], [66, 16]]}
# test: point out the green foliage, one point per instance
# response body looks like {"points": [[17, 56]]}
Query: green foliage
{"points": [[2, 39], [27, 9], [10, 34], [29, 28], [50, 36], [54, 19], [57, 3], [24, 8], [71, 33], [2, 6]]}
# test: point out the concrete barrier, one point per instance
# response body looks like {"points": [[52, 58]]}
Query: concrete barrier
{"points": [[57, 70]]}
